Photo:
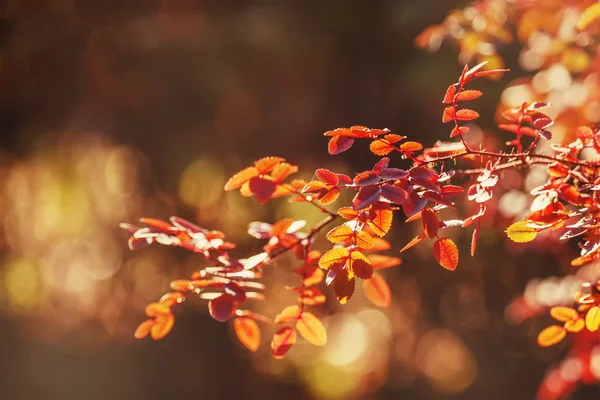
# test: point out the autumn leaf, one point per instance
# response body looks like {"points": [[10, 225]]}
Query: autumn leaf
{"points": [[446, 253], [162, 326], [563, 314], [430, 222], [237, 180], [334, 257], [282, 341], [592, 319], [143, 329], [288, 314], [589, 15], [551, 335], [248, 332], [466, 115], [468, 95], [311, 328], [364, 240], [381, 147], [221, 308], [379, 261], [360, 266], [266, 164], [521, 232], [339, 234], [381, 218], [378, 291], [262, 188], [343, 286], [339, 144], [449, 97]]}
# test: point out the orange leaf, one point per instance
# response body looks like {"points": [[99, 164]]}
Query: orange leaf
{"points": [[282, 341], [381, 147], [449, 97], [180, 285], [430, 222], [575, 325], [448, 114], [156, 223], [378, 291], [327, 177], [266, 164], [311, 329], [592, 319], [551, 335], [413, 242], [466, 115], [312, 296], [162, 326], [240, 178], [262, 188], [340, 234], [288, 314], [143, 329], [248, 332], [446, 253], [379, 261], [563, 314], [221, 308], [334, 257], [408, 147], [459, 130], [468, 95], [381, 220], [157, 309], [343, 286], [172, 298], [347, 213], [330, 196], [364, 240], [282, 171]]}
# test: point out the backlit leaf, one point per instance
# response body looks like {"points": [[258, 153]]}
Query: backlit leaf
{"points": [[157, 309], [282, 341], [409, 147], [430, 222], [330, 196], [381, 217], [448, 114], [446, 253], [592, 319], [466, 115], [266, 164], [378, 291], [311, 329], [162, 326], [413, 242], [327, 177], [334, 257], [347, 213], [340, 234], [364, 240], [366, 196], [240, 178], [449, 97], [282, 171], [468, 95], [589, 15], [143, 329], [520, 232], [379, 261], [381, 147], [575, 325], [551, 335], [248, 332], [288, 314], [563, 314]]}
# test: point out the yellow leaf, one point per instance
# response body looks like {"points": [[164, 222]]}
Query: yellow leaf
{"points": [[311, 329], [563, 314], [592, 319], [551, 335], [333, 258], [520, 232], [590, 14]]}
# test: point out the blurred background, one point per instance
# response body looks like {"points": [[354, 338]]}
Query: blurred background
{"points": [[113, 110]]}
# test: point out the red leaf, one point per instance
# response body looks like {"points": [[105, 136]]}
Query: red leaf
{"points": [[446, 253], [430, 222], [262, 188], [240, 178], [339, 144], [327, 177], [448, 114], [282, 171], [449, 97], [395, 194], [470, 74], [283, 341], [366, 196], [343, 286], [360, 265], [381, 147], [378, 291], [468, 95], [221, 308], [329, 196], [466, 115], [459, 130]]}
